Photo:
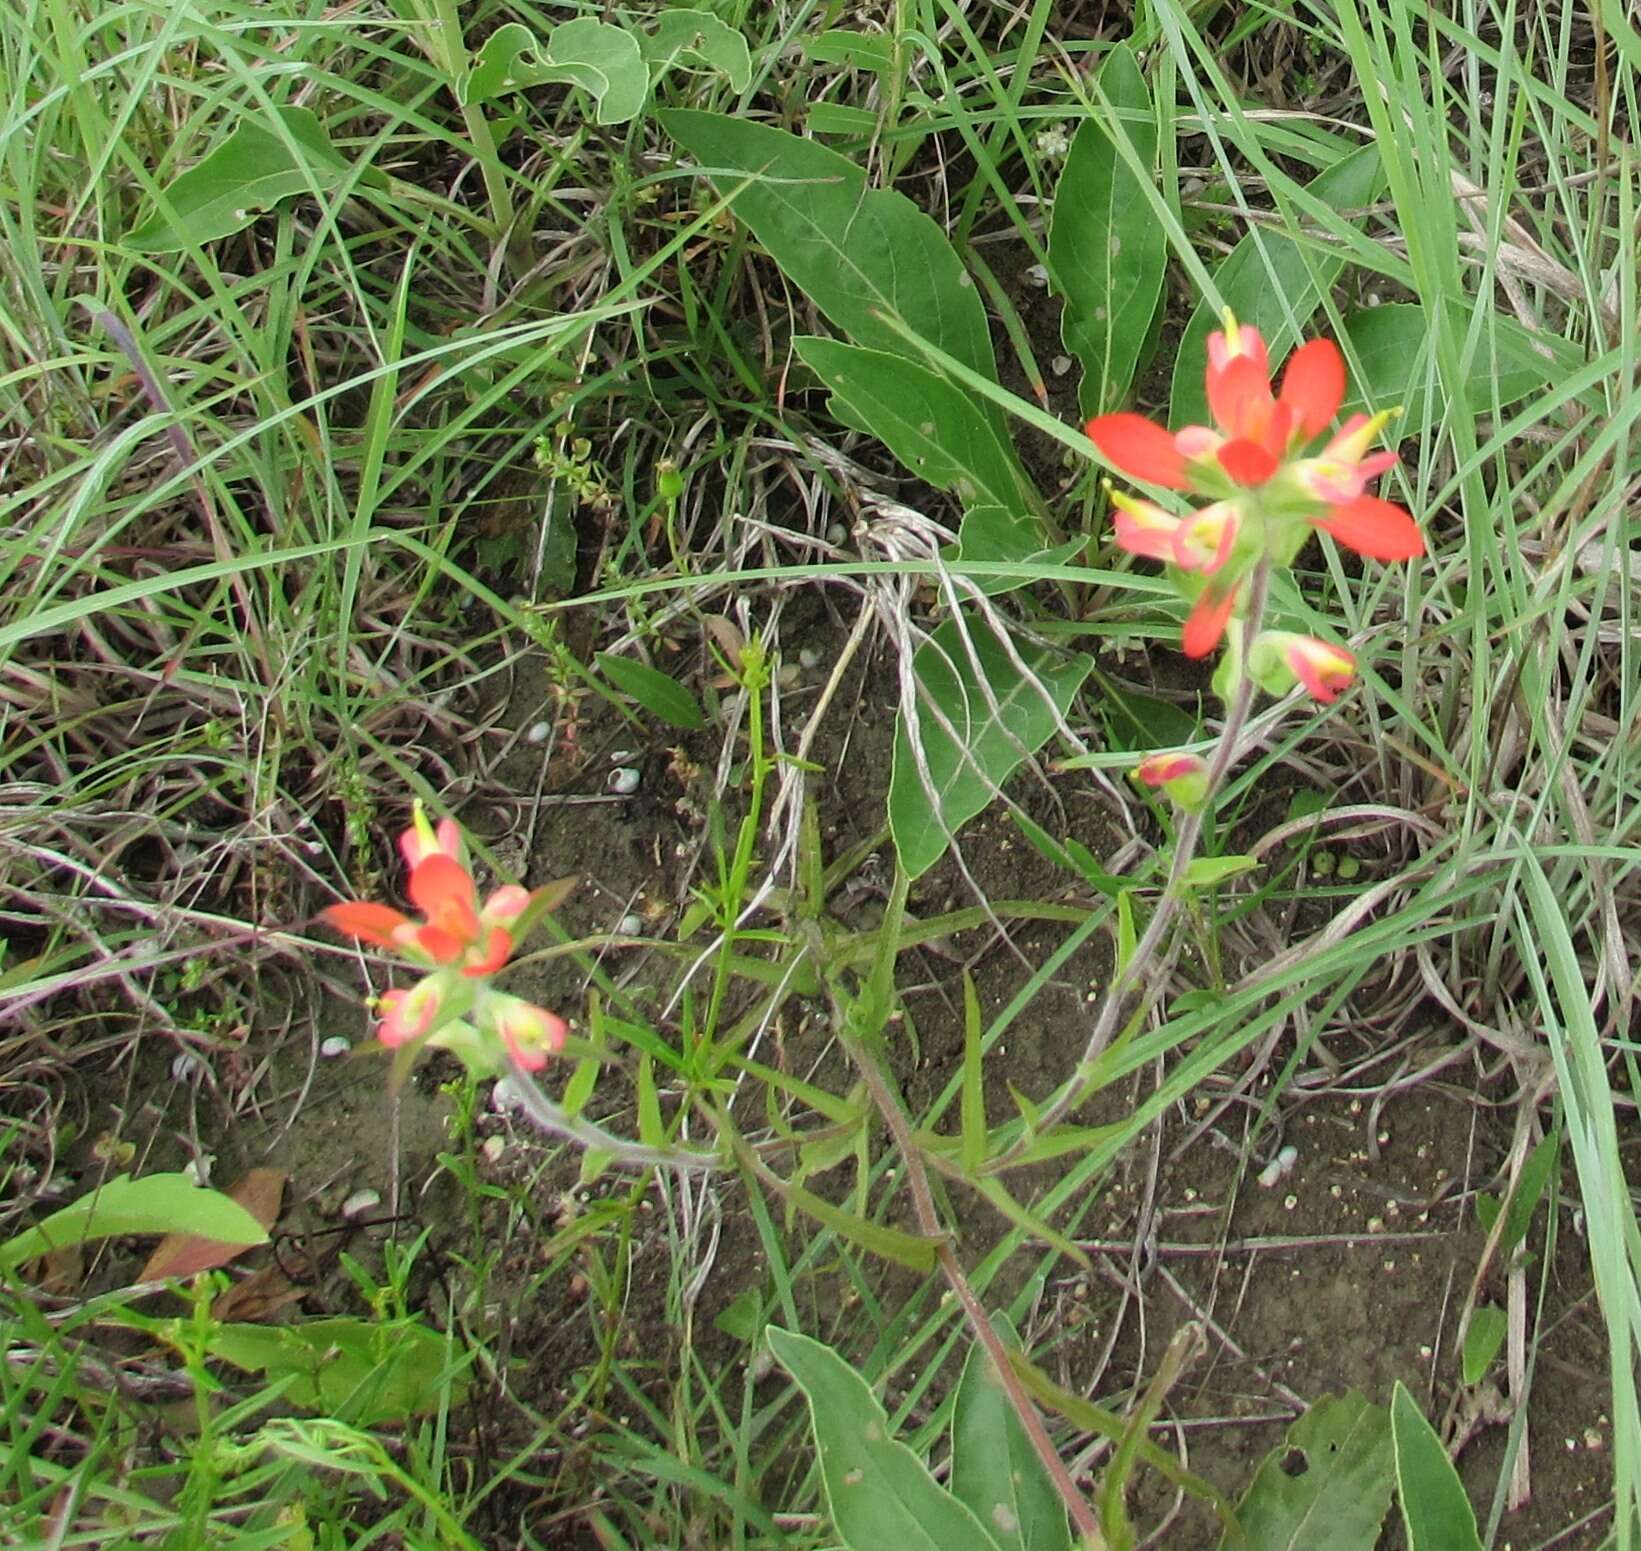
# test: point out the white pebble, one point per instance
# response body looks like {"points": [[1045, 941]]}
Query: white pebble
{"points": [[809, 656], [335, 1046], [200, 1168], [538, 732], [624, 782], [186, 1066], [1060, 365], [1037, 275], [360, 1203], [493, 1148], [1279, 1168], [836, 533], [623, 756], [630, 926], [505, 1096]]}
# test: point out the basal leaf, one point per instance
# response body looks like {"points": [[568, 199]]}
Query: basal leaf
{"points": [[1482, 1339], [996, 718], [995, 1470], [1391, 346], [1272, 282], [935, 428], [1338, 1500], [602, 59], [1436, 1513], [998, 533], [659, 693], [1107, 251], [853, 251], [879, 1494], [686, 36], [158, 1203], [249, 172]]}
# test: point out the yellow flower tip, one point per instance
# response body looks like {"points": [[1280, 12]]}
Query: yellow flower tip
{"points": [[1233, 331], [424, 827]]}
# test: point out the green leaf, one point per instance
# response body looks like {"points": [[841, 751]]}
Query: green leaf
{"points": [[1435, 1511], [1338, 1501], [1136, 721], [1204, 872], [1107, 251], [854, 252], [989, 743], [1272, 282], [879, 1494], [1482, 1340], [158, 1203], [1391, 346], [249, 172], [1535, 1174], [993, 533], [602, 59], [995, 1470], [359, 1371], [870, 51], [973, 1107], [934, 427], [684, 34], [659, 693]]}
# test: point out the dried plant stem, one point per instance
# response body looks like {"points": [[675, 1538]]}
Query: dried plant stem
{"points": [[928, 1221], [1153, 953]]}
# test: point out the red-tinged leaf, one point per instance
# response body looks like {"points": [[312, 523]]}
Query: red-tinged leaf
{"points": [[1140, 449], [182, 1255], [366, 921], [1206, 622], [1313, 385], [1247, 462], [1379, 529]]}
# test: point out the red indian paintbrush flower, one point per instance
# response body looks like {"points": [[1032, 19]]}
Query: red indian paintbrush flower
{"points": [[1250, 464], [463, 944]]}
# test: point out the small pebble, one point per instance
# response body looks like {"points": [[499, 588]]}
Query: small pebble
{"points": [[505, 1096], [493, 1148], [538, 732], [1279, 1168], [1037, 275], [836, 533], [809, 657], [623, 756], [630, 926], [1060, 365], [624, 782], [335, 1046], [360, 1203], [186, 1066]]}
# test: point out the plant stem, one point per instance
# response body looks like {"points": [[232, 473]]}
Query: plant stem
{"points": [[1141, 966]]}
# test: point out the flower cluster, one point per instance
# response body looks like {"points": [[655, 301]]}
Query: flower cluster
{"points": [[1266, 494], [460, 944]]}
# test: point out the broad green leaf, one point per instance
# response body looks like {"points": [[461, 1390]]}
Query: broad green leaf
{"points": [[359, 1371], [879, 1494], [1107, 251], [1338, 1501], [998, 533], [854, 252], [872, 51], [934, 427], [995, 1470], [1391, 346], [1137, 722], [686, 36], [1272, 282], [158, 1203], [1482, 1339], [600, 58], [1435, 1511], [997, 718], [659, 693], [249, 172], [1206, 871]]}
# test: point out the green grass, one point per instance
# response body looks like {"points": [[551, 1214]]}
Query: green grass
{"points": [[280, 511]]}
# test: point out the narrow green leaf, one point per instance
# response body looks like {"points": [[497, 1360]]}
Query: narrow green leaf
{"points": [[659, 693], [1107, 251], [997, 717], [1435, 1511], [973, 1094], [1338, 1500], [157, 1203], [1126, 938], [857, 253], [995, 1470], [651, 1132], [880, 1496], [935, 428], [1272, 282], [1536, 1172], [249, 172], [1482, 1340]]}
